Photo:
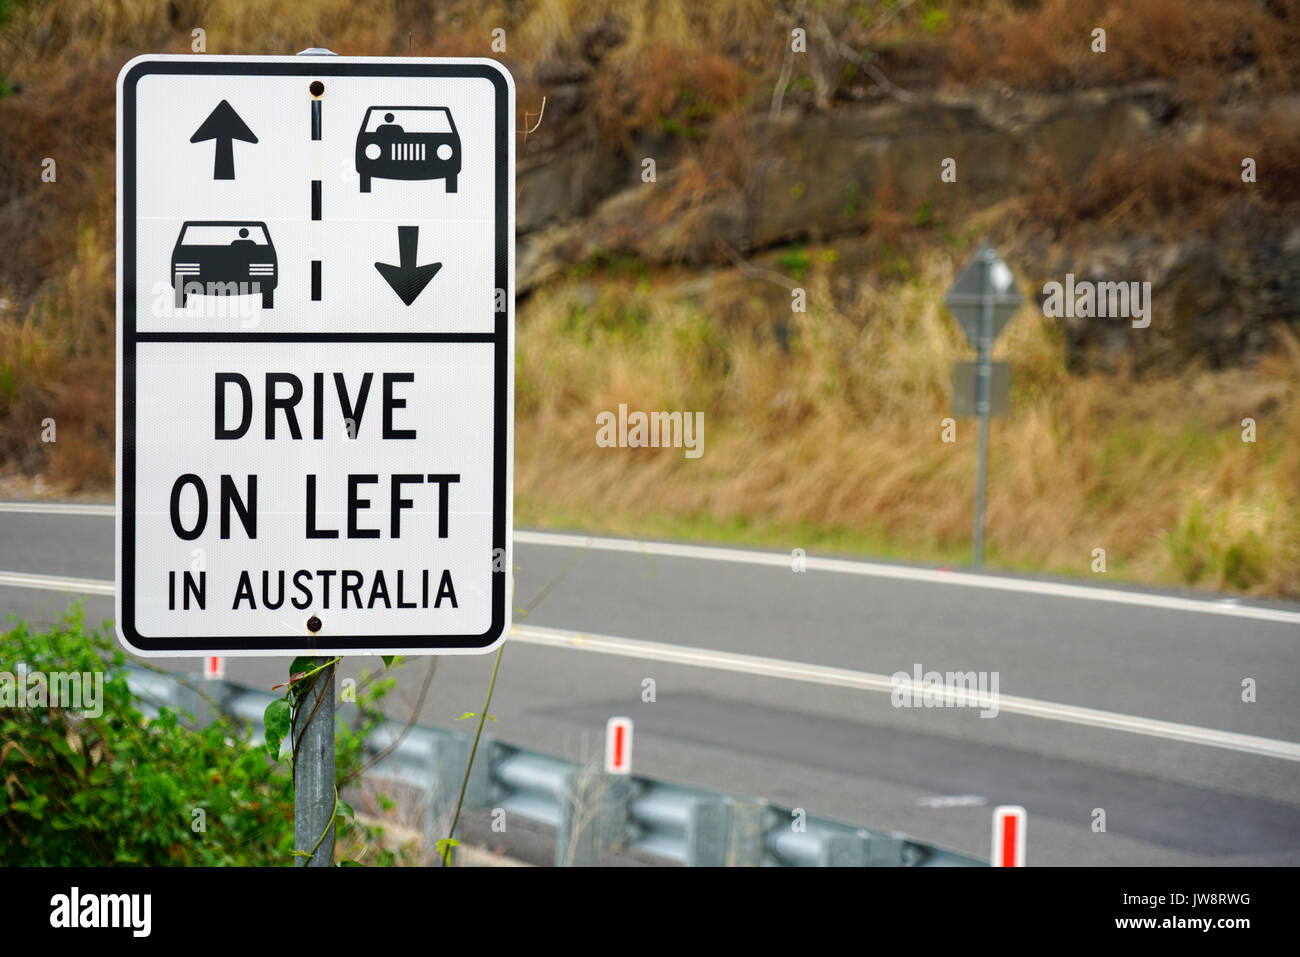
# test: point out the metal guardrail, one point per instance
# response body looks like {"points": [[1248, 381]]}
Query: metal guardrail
{"points": [[593, 813]]}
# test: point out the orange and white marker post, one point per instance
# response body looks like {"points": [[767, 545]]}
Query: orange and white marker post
{"points": [[214, 666], [1008, 836], [618, 746]]}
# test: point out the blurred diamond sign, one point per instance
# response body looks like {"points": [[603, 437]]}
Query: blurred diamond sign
{"points": [[986, 275]]}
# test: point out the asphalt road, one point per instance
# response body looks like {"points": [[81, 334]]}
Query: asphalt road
{"points": [[1106, 667]]}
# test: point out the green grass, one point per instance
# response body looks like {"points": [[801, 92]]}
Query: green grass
{"points": [[865, 544], [795, 261]]}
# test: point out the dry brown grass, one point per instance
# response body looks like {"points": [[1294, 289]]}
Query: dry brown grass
{"points": [[57, 363], [1047, 45], [842, 431], [1170, 187]]}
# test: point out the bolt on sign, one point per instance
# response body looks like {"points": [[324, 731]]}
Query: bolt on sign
{"points": [[315, 325]]}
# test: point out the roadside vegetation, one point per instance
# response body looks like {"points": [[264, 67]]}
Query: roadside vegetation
{"points": [[826, 434], [118, 788], [108, 779]]}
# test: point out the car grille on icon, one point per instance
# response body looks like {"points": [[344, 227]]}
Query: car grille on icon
{"points": [[187, 269], [261, 269], [407, 152]]}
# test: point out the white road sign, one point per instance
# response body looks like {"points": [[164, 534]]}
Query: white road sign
{"points": [[315, 355]]}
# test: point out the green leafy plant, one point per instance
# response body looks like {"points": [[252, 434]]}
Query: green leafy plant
{"points": [[110, 785], [123, 788], [278, 715]]}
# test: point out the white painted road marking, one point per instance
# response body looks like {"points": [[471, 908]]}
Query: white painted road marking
{"points": [[82, 586], [1227, 607], [799, 671], [907, 573], [58, 508], [953, 800], [867, 681]]}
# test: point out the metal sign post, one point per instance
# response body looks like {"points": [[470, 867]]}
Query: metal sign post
{"points": [[984, 375], [313, 772], [983, 298]]}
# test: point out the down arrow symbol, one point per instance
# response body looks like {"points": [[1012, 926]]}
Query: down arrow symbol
{"points": [[407, 279]]}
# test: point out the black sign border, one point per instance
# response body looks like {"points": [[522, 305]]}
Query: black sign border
{"points": [[313, 67]]}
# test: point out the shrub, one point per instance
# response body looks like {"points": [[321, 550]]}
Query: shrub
{"points": [[121, 788]]}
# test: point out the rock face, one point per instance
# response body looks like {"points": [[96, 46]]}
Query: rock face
{"points": [[1215, 297], [772, 181], [816, 177]]}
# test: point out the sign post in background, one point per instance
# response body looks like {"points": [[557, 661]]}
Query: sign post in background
{"points": [[982, 299]]}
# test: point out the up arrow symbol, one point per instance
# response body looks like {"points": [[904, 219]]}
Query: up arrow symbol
{"points": [[223, 125]]}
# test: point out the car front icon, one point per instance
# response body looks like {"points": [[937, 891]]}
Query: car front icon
{"points": [[408, 143]]}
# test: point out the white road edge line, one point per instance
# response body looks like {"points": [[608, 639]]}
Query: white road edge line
{"points": [[81, 586], [799, 671], [907, 573], [837, 565], [866, 681], [58, 508]]}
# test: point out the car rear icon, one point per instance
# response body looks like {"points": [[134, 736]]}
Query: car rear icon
{"points": [[408, 142], [224, 258]]}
